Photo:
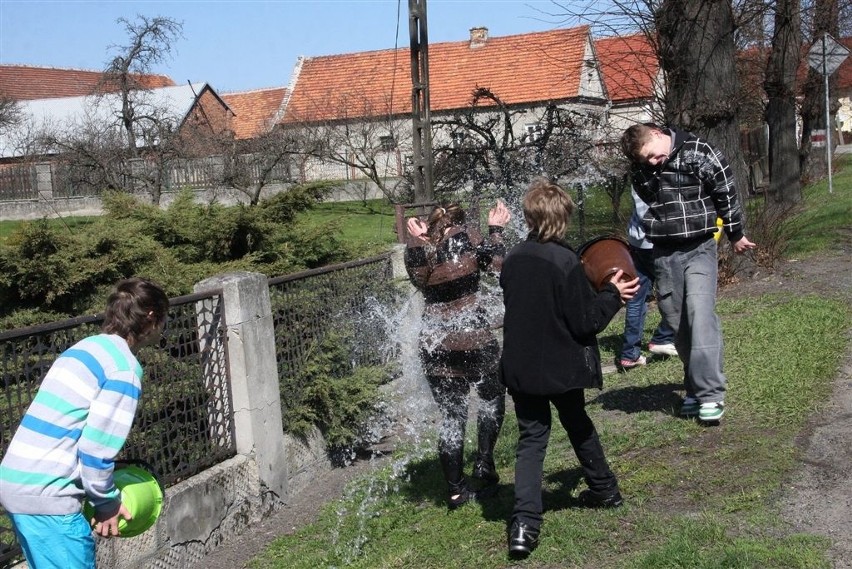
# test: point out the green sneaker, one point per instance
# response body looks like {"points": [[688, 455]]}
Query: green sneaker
{"points": [[711, 412], [689, 407]]}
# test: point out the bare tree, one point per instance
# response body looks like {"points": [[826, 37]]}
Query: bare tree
{"points": [[362, 143], [780, 86], [694, 42], [149, 42], [697, 53], [91, 156], [10, 113], [254, 164], [489, 150]]}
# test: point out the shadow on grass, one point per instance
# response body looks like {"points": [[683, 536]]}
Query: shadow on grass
{"points": [[426, 485], [660, 397]]}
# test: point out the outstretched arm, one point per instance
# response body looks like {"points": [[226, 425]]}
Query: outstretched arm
{"points": [[743, 245]]}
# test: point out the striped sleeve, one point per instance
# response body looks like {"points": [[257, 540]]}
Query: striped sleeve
{"points": [[108, 423]]}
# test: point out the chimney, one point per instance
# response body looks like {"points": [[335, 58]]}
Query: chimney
{"points": [[478, 37]]}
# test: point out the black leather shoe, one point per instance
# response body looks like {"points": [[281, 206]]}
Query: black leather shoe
{"points": [[485, 471], [459, 498], [522, 539], [460, 494], [589, 499]]}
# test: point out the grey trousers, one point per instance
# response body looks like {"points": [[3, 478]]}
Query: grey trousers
{"points": [[686, 284]]}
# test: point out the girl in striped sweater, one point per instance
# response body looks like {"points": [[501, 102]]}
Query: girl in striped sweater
{"points": [[63, 450]]}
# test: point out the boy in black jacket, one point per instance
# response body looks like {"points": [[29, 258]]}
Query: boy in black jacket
{"points": [[550, 354]]}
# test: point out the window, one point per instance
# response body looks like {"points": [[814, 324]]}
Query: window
{"points": [[533, 131], [458, 139], [387, 142]]}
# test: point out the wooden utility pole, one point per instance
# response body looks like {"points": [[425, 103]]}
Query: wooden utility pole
{"points": [[420, 114]]}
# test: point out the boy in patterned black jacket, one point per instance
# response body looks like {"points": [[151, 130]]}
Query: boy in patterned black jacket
{"points": [[687, 183]]}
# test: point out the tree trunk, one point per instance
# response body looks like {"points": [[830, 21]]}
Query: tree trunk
{"points": [[697, 55], [780, 84]]}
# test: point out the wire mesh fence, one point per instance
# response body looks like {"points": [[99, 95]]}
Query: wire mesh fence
{"points": [[306, 306]]}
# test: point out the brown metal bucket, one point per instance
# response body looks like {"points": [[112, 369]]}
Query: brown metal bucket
{"points": [[602, 257]]}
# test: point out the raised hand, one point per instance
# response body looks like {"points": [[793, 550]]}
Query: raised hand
{"points": [[417, 228], [499, 214]]}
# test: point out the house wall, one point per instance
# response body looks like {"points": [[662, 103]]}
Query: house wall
{"points": [[591, 82], [206, 123]]}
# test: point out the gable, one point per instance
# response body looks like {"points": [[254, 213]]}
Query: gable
{"points": [[521, 70], [26, 83]]}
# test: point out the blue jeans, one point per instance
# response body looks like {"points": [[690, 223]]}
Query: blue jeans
{"points": [[637, 307], [686, 284]]}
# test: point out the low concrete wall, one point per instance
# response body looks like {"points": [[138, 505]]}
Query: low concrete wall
{"points": [[224, 501], [50, 207], [212, 508]]}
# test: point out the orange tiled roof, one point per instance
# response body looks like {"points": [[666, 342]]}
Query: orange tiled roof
{"points": [[629, 67], [25, 82], [254, 110], [543, 66]]}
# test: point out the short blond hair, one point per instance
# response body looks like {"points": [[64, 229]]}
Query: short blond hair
{"points": [[547, 210]]}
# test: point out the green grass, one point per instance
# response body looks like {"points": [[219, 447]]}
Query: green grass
{"points": [[65, 223], [696, 497], [367, 228], [828, 216]]}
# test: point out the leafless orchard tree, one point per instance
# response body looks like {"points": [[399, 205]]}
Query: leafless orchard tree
{"points": [[150, 41], [365, 141], [254, 164], [10, 113], [486, 151], [91, 156]]}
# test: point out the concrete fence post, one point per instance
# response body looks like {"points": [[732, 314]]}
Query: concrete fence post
{"points": [[253, 369], [44, 181]]}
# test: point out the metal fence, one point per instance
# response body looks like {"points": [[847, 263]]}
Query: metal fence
{"points": [[184, 421], [307, 305]]}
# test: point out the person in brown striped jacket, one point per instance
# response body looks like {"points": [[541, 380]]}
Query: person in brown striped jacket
{"points": [[444, 260]]}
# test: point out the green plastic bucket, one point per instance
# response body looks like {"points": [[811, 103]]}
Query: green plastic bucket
{"points": [[141, 494]]}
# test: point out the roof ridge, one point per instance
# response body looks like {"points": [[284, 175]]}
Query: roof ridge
{"points": [[249, 91], [584, 29], [80, 69]]}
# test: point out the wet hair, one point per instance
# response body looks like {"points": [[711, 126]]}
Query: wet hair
{"points": [[441, 218], [547, 209], [133, 307], [635, 137]]}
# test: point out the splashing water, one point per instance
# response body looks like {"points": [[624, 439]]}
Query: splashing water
{"points": [[412, 416]]}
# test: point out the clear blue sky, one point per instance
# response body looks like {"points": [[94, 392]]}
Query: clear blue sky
{"points": [[238, 46]]}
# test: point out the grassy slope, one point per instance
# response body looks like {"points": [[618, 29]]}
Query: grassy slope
{"points": [[696, 497]]}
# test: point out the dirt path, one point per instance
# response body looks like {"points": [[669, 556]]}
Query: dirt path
{"points": [[816, 500]]}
